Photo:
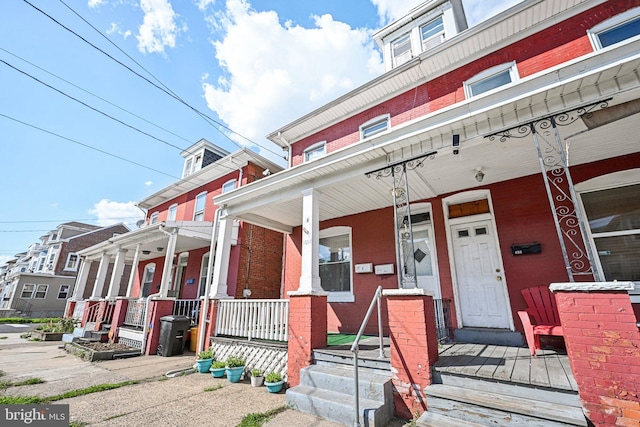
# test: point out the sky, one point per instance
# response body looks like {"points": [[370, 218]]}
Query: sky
{"points": [[99, 97]]}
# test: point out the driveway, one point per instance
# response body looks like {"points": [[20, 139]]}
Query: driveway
{"points": [[155, 401]]}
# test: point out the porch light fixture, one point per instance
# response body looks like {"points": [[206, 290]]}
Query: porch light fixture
{"points": [[146, 252], [160, 249], [479, 174]]}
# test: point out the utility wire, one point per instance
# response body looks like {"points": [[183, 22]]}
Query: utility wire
{"points": [[87, 146], [158, 87], [63, 220]]}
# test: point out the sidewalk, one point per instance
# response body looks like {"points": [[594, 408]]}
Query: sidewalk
{"points": [[155, 401]]}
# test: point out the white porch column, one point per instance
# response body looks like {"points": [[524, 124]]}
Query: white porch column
{"points": [[168, 264], [134, 270], [116, 274], [81, 279], [221, 265], [310, 269], [98, 285]]}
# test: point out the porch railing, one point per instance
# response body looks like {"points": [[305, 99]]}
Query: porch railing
{"points": [[92, 313], [23, 306], [188, 307], [444, 327], [107, 315], [259, 318], [136, 313]]}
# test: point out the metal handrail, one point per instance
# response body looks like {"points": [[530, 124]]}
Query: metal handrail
{"points": [[355, 349]]}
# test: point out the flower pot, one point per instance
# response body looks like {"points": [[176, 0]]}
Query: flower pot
{"points": [[217, 372], [203, 365], [257, 381], [274, 387], [234, 374]]}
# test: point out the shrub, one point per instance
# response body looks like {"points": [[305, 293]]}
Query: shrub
{"points": [[235, 362], [205, 354], [273, 377], [218, 364], [256, 373]]}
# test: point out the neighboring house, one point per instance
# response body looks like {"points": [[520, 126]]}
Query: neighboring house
{"points": [[39, 281], [484, 161], [172, 252]]}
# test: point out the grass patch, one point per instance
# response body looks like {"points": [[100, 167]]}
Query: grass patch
{"points": [[257, 419], [25, 320], [78, 424], [25, 400], [3, 338], [163, 379], [117, 416], [2, 374], [214, 388], [28, 381]]}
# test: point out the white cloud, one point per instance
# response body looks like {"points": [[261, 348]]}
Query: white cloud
{"points": [[5, 258], [159, 28], [390, 10], [115, 28], [96, 3], [148, 183], [203, 4], [275, 72], [110, 212]]}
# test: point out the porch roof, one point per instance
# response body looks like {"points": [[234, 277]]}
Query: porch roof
{"points": [[275, 202], [153, 240]]}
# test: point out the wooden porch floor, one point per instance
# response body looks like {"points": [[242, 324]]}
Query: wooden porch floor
{"points": [[549, 369], [507, 364]]}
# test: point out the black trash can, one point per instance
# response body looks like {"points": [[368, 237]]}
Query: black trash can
{"points": [[173, 334]]}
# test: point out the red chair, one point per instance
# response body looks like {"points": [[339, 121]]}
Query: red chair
{"points": [[541, 316]]}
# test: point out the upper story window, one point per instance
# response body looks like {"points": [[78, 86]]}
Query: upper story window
{"points": [[63, 293], [490, 79], [432, 33], [315, 151], [616, 29], [154, 218], [228, 186], [173, 211], [188, 163], [198, 212], [72, 262], [401, 50], [372, 127]]}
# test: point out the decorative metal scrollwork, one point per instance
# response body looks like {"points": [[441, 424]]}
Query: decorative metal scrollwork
{"points": [[578, 256]]}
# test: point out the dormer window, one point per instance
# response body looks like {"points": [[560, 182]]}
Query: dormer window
{"points": [[315, 151], [228, 186], [617, 29], [375, 126], [491, 79], [187, 167], [401, 50], [432, 34]]}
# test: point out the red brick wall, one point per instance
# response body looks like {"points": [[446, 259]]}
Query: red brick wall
{"points": [[565, 41], [603, 344], [307, 330], [260, 256]]}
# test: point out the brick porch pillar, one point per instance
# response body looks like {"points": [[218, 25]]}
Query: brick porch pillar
{"points": [[414, 348], [208, 328], [158, 308], [307, 330], [603, 345], [70, 307], [119, 313]]}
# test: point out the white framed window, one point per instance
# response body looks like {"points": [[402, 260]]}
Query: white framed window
{"points": [[72, 262], [198, 210], [401, 50], [188, 164], [147, 279], [316, 150], [154, 218], [203, 274], [63, 293], [374, 126], [173, 212], [41, 292], [490, 79], [27, 291], [228, 186], [432, 33], [335, 259], [612, 207], [616, 29]]}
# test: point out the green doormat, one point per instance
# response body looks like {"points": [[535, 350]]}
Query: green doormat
{"points": [[341, 339]]}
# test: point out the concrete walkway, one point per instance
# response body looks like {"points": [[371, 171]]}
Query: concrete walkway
{"points": [[155, 401]]}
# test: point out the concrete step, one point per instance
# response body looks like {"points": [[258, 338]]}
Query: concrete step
{"points": [[492, 408], [338, 407], [77, 334], [431, 419], [339, 379], [328, 357]]}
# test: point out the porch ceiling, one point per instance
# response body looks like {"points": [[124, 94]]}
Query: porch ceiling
{"points": [[153, 241], [344, 188]]}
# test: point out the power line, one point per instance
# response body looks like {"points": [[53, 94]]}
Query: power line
{"points": [[87, 146], [64, 220], [177, 98]]}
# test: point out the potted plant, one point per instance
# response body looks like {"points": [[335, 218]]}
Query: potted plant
{"points": [[273, 381], [217, 369], [235, 368], [256, 377], [205, 358]]}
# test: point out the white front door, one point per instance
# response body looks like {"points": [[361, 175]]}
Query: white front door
{"points": [[424, 256], [482, 296]]}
